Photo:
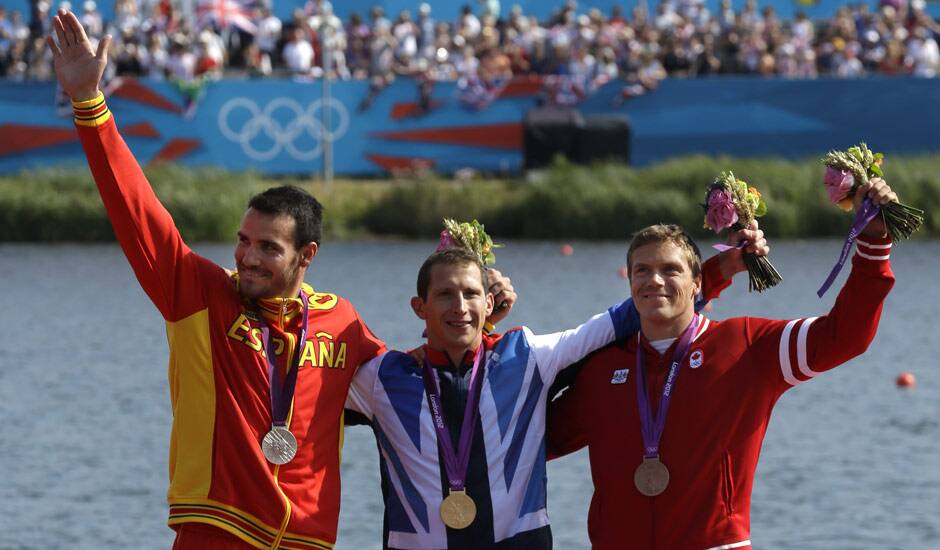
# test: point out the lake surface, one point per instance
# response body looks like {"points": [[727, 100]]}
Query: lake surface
{"points": [[849, 462]]}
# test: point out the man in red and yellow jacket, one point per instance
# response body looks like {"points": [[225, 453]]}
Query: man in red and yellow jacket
{"points": [[237, 344]]}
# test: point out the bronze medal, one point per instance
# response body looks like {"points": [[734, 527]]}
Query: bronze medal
{"points": [[279, 445], [458, 510], [651, 477]]}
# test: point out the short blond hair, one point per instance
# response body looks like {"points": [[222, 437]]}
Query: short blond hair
{"points": [[667, 233]]}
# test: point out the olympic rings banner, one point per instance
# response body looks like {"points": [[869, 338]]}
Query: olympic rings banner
{"points": [[280, 127]]}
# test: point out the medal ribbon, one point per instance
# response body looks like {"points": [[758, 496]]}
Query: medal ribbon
{"points": [[652, 428], [282, 391], [865, 214], [455, 463]]}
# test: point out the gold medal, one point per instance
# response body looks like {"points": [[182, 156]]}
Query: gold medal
{"points": [[651, 477], [458, 510]]}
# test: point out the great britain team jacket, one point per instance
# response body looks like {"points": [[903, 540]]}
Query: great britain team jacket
{"points": [[719, 411], [219, 387]]}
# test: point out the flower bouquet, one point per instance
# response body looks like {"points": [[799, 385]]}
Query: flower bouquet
{"points": [[730, 202], [846, 170], [469, 235]]}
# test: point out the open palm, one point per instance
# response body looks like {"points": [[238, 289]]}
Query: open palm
{"points": [[77, 66]]}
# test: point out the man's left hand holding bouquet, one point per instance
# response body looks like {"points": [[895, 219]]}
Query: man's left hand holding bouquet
{"points": [[732, 261]]}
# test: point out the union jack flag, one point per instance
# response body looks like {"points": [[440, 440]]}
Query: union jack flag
{"points": [[226, 13]]}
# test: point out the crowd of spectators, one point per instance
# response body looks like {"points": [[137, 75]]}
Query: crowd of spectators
{"points": [[679, 38]]}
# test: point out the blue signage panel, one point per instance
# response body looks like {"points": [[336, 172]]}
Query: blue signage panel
{"points": [[281, 126]]}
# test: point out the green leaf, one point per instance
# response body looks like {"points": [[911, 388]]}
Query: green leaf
{"points": [[761, 209], [875, 170]]}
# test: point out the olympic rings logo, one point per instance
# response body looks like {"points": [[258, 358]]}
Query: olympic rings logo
{"points": [[282, 137]]}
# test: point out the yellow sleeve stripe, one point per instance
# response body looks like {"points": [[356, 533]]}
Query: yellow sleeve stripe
{"points": [[91, 112]]}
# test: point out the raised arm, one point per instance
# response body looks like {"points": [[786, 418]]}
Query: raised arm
{"points": [[797, 350], [165, 267]]}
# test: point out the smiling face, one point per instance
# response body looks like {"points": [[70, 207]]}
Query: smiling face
{"points": [[663, 288], [268, 262], [454, 308]]}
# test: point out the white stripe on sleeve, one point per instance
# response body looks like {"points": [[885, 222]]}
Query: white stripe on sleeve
{"points": [[875, 246], [785, 354], [801, 348], [869, 256]]}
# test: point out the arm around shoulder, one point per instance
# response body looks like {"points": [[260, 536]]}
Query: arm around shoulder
{"points": [[565, 431], [361, 390]]}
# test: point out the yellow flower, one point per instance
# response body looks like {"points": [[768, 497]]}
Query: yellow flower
{"points": [[754, 191], [846, 204]]}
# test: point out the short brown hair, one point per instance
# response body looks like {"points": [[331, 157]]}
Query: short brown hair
{"points": [[667, 233], [448, 256]]}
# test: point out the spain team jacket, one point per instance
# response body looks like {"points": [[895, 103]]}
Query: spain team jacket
{"points": [[720, 407], [218, 379]]}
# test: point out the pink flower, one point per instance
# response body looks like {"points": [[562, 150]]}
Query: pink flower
{"points": [[838, 183], [446, 241], [721, 211]]}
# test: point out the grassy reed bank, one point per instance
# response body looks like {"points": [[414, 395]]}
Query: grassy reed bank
{"points": [[564, 202]]}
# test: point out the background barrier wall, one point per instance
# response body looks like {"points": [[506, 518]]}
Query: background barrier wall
{"points": [[276, 126], [448, 10]]}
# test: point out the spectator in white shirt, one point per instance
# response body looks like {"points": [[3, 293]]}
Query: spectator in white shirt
{"points": [[269, 30], [298, 53], [923, 54]]}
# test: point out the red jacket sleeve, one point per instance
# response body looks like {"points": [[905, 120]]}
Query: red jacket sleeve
{"points": [[713, 281], [368, 343], [797, 350], [166, 268], [566, 423]]}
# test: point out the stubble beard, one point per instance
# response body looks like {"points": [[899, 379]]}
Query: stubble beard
{"points": [[269, 292]]}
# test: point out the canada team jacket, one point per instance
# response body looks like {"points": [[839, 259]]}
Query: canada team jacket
{"points": [[218, 376], [720, 407], [506, 474]]}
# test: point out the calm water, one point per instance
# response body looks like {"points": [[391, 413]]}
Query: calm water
{"points": [[850, 462]]}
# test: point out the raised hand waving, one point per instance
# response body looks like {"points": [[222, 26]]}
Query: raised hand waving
{"points": [[77, 66]]}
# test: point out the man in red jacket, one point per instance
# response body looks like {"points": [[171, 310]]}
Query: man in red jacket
{"points": [[674, 418]]}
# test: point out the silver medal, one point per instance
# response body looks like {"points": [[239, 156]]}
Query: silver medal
{"points": [[279, 445]]}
